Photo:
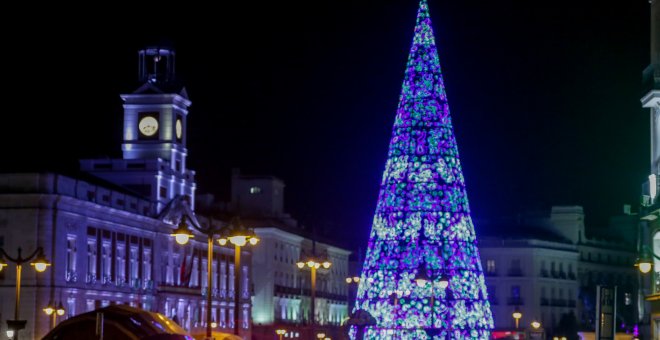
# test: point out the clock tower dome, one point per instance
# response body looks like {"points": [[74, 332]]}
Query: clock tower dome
{"points": [[154, 135]]}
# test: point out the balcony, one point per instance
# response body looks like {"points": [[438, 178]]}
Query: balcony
{"points": [[514, 301], [544, 273], [572, 303], [571, 276], [545, 302]]}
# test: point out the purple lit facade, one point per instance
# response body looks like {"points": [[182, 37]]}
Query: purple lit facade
{"points": [[422, 220]]}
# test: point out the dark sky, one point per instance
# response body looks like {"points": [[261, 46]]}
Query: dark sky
{"points": [[544, 97]]}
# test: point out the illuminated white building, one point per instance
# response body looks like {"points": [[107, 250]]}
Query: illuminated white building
{"points": [[282, 291], [547, 267], [107, 231]]}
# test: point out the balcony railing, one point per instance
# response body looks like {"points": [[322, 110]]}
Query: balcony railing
{"points": [[544, 273], [545, 302]]}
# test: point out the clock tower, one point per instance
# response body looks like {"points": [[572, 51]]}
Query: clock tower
{"points": [[154, 135]]}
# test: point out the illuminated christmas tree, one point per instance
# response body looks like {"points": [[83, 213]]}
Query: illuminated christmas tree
{"points": [[422, 227]]}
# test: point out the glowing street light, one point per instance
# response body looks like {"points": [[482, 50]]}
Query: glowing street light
{"points": [[313, 264], [536, 324], [235, 234], [40, 264], [182, 234], [53, 311], [517, 315], [280, 332], [645, 261]]}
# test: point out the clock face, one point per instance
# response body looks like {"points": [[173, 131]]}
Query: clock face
{"points": [[148, 126], [178, 128]]}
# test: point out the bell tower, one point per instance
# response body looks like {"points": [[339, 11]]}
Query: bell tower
{"points": [[154, 134], [155, 114]]}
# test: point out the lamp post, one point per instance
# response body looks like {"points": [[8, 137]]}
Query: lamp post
{"points": [[313, 264], [40, 264], [239, 236], [52, 310], [516, 316], [422, 279], [350, 281], [280, 332], [182, 235]]}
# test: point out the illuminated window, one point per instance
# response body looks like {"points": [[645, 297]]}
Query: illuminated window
{"points": [[490, 266], [146, 264], [70, 270], [106, 261], [255, 190], [133, 264], [121, 263], [627, 298], [91, 259]]}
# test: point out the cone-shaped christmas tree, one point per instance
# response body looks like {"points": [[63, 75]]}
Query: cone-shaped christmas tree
{"points": [[422, 227]]}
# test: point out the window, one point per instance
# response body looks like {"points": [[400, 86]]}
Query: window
{"points": [[70, 270], [627, 299], [490, 266], [121, 264], [163, 192], [133, 261], [70, 306], [146, 264], [91, 259], [515, 292], [255, 190], [106, 261]]}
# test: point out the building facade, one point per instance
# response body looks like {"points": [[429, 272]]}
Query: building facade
{"points": [[547, 268], [649, 239], [107, 232], [282, 291]]}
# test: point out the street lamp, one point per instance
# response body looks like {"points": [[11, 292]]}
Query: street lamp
{"points": [[239, 236], [350, 281], [52, 310], [280, 332], [645, 260], [40, 264], [536, 324], [182, 235], [313, 263], [517, 315], [320, 336], [422, 278]]}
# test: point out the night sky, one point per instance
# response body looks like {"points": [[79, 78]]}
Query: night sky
{"points": [[544, 97]]}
